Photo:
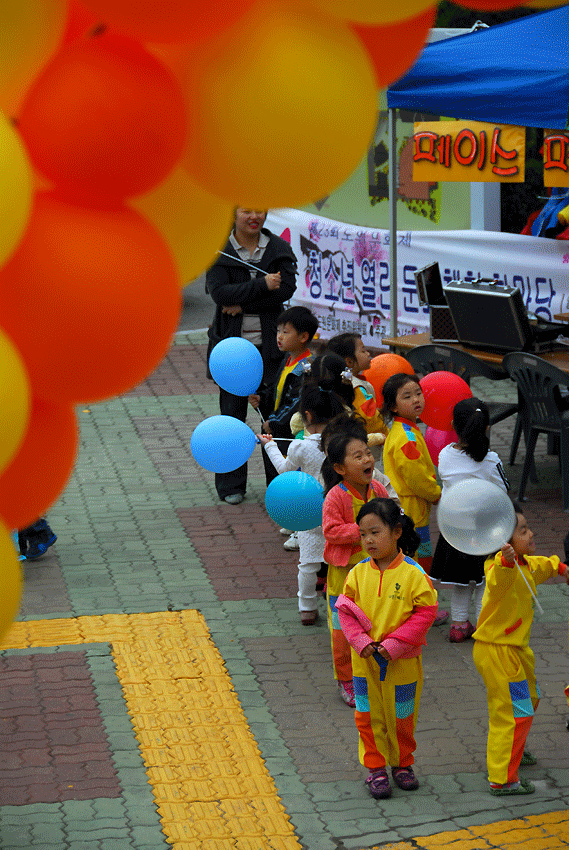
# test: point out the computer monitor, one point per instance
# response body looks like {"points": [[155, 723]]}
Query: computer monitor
{"points": [[429, 285], [489, 316]]}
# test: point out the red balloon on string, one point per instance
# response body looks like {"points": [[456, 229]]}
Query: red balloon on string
{"points": [[383, 367], [104, 120], [436, 441], [442, 390], [91, 299], [170, 21], [40, 470], [393, 48]]}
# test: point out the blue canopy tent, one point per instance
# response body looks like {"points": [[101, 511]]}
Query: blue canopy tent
{"points": [[513, 73]]}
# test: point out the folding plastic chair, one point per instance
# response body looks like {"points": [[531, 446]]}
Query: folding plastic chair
{"points": [[544, 410]]}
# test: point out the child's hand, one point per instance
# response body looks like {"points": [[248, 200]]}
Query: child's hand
{"points": [[376, 439], [383, 652], [254, 400], [266, 427], [368, 651], [264, 438], [508, 553]]}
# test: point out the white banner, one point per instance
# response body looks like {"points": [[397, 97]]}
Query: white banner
{"points": [[343, 271]]}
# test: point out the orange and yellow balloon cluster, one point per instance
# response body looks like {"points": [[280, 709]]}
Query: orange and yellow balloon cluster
{"points": [[129, 130]]}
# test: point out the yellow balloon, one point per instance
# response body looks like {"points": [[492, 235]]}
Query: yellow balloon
{"points": [[15, 189], [281, 106], [374, 11], [30, 31], [10, 580], [14, 400], [545, 4], [194, 223]]}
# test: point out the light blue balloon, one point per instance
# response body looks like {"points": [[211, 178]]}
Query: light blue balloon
{"points": [[222, 443], [236, 365], [294, 500]]}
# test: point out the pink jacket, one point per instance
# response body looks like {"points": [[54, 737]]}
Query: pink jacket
{"points": [[404, 642], [341, 533]]}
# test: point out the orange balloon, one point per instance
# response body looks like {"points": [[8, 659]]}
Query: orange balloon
{"points": [[394, 48], [105, 119], [40, 470], [169, 20], [383, 367], [80, 22], [105, 286], [283, 106]]}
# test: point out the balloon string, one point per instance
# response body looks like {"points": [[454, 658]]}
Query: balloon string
{"points": [[239, 260], [539, 608]]}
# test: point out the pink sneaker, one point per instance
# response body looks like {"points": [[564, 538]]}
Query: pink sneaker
{"points": [[458, 634], [347, 693], [442, 617]]}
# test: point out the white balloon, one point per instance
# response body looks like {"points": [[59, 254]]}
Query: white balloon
{"points": [[476, 517]]}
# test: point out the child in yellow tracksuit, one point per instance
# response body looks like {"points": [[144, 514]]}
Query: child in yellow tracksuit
{"points": [[503, 657]]}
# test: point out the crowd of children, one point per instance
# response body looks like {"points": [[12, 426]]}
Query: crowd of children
{"points": [[373, 552]]}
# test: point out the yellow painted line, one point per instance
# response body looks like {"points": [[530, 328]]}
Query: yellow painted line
{"points": [[535, 832], [211, 786]]}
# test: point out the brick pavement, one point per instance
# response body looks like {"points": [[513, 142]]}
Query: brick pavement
{"points": [[222, 729]]}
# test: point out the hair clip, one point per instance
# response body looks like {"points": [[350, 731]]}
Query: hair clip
{"points": [[307, 367], [401, 511], [347, 375], [478, 410]]}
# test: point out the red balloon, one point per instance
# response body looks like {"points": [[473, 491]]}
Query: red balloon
{"points": [[437, 440], [393, 48], [104, 120], [40, 470], [442, 390], [91, 299], [383, 367], [170, 21]]}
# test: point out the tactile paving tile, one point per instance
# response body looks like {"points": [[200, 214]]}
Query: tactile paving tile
{"points": [[207, 775]]}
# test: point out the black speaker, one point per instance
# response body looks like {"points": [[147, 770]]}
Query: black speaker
{"points": [[442, 325]]}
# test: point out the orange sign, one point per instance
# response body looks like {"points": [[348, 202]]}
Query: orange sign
{"points": [[468, 151], [556, 158]]}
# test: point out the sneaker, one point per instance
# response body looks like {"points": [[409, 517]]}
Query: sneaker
{"points": [[292, 543], [286, 532], [442, 617], [524, 786], [458, 634], [234, 499], [37, 548], [378, 784], [528, 760], [347, 693], [405, 778]]}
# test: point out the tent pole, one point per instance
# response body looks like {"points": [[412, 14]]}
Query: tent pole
{"points": [[393, 184]]}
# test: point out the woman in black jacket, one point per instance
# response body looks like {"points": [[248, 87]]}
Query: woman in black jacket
{"points": [[253, 277]]}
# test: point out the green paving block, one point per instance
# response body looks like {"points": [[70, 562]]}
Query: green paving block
{"points": [[138, 815], [109, 808], [77, 810], [148, 836], [47, 833]]}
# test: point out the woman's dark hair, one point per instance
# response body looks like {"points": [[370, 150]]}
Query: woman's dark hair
{"points": [[343, 344], [390, 390], [327, 370], [471, 418], [392, 515], [334, 442]]}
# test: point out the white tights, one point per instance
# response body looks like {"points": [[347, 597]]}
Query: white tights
{"points": [[307, 586], [460, 601]]}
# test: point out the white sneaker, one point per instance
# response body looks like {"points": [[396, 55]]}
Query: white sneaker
{"points": [[292, 543], [286, 532]]}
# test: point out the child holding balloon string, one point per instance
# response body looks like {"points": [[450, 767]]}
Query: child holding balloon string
{"points": [[348, 474], [503, 657], [470, 457], [319, 403], [387, 606]]}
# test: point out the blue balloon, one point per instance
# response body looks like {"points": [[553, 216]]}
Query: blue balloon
{"points": [[222, 443], [236, 365], [294, 500]]}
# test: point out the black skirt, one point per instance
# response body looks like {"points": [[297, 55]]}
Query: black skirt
{"points": [[453, 567]]}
